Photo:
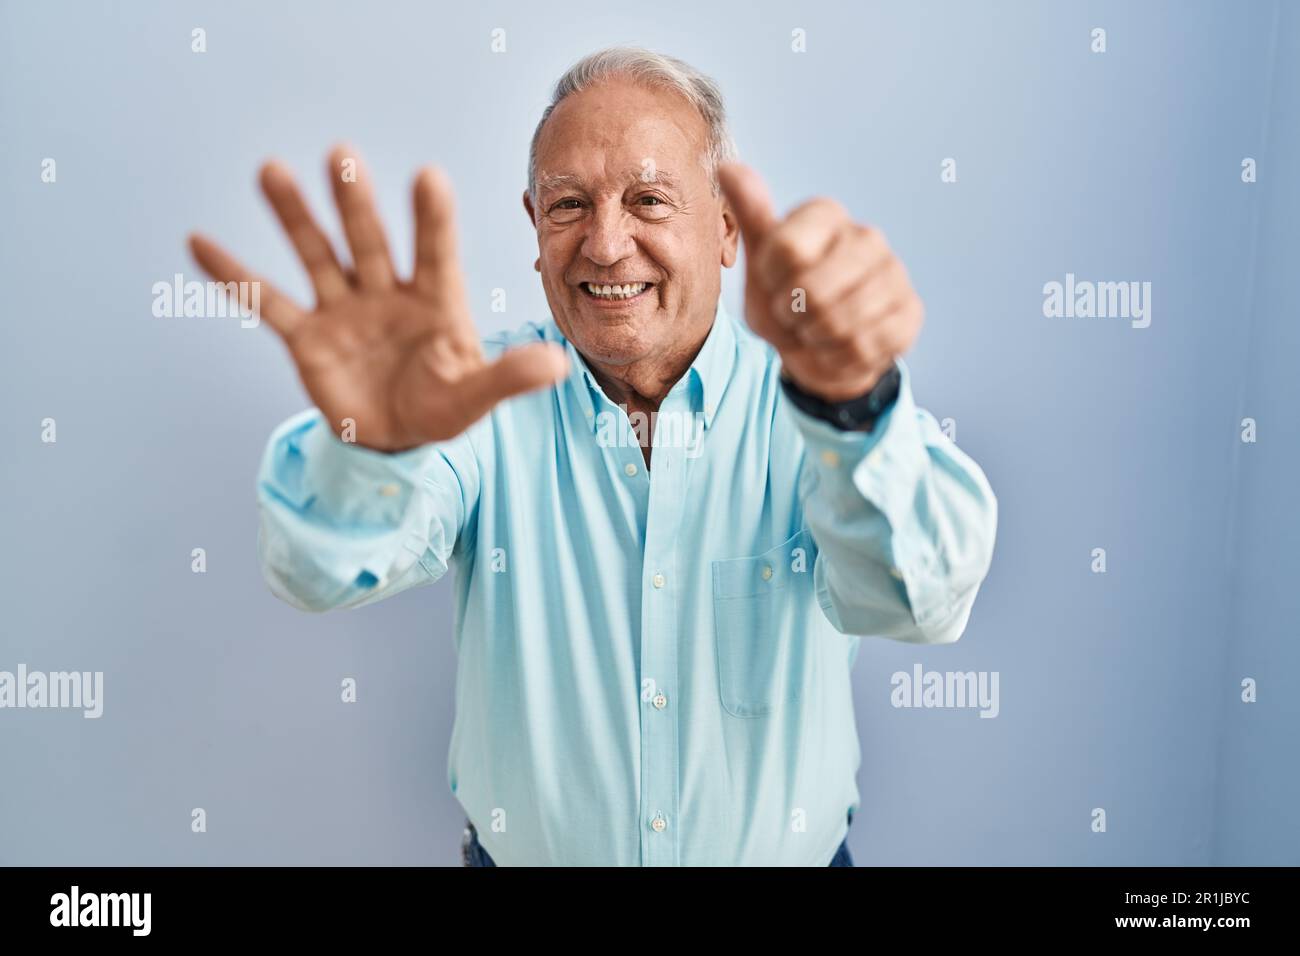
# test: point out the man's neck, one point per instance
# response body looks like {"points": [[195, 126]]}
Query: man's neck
{"points": [[642, 386]]}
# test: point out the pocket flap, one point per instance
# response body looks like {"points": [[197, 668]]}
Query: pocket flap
{"points": [[772, 570]]}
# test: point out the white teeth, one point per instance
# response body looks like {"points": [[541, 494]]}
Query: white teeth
{"points": [[616, 291]]}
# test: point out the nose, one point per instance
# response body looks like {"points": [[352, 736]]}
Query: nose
{"points": [[609, 235]]}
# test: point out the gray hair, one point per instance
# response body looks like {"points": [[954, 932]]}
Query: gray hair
{"points": [[653, 69]]}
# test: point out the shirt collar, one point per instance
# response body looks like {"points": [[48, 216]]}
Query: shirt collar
{"points": [[707, 377], [712, 367]]}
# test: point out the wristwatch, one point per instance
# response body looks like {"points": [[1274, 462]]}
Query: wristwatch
{"points": [[854, 414]]}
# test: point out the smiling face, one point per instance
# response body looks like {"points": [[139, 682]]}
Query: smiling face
{"points": [[630, 233]]}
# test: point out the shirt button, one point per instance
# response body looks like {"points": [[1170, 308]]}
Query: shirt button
{"points": [[767, 572], [629, 469], [898, 575], [659, 824], [389, 490], [660, 701], [658, 580], [708, 410], [830, 459], [873, 456]]}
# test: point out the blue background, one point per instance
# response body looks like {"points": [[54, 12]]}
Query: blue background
{"points": [[1118, 690]]}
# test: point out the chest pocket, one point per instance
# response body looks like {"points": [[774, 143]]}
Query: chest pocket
{"points": [[760, 609]]}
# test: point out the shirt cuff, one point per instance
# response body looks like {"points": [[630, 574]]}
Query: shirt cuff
{"points": [[881, 465], [347, 483]]}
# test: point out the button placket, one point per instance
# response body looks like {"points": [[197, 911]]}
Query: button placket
{"points": [[659, 648]]}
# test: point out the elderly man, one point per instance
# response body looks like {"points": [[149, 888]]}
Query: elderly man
{"points": [[668, 530]]}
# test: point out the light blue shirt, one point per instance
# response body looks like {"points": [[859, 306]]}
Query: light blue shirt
{"points": [[652, 665]]}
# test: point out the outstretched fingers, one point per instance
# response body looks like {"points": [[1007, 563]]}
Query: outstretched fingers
{"points": [[274, 307], [354, 195], [437, 265], [310, 241], [517, 371]]}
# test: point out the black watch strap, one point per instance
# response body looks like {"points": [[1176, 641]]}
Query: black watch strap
{"points": [[854, 414]]}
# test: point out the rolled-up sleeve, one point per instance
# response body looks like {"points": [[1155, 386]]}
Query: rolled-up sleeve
{"points": [[343, 526], [904, 523]]}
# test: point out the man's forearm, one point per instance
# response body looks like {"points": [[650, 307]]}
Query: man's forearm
{"points": [[343, 526], [904, 523]]}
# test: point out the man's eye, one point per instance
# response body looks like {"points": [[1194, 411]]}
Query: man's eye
{"points": [[567, 204], [651, 200]]}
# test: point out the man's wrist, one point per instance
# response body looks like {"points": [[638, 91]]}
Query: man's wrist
{"points": [[855, 414]]}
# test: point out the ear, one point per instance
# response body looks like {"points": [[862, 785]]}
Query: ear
{"points": [[532, 221], [730, 227]]}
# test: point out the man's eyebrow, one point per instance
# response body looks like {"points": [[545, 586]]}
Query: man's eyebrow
{"points": [[558, 182], [651, 176]]}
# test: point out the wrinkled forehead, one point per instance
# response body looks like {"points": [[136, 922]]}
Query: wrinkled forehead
{"points": [[618, 132]]}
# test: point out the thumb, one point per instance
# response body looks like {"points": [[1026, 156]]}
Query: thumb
{"points": [[517, 371], [749, 199]]}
